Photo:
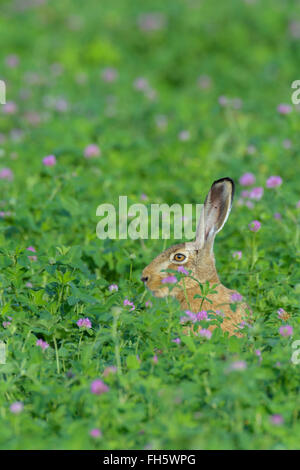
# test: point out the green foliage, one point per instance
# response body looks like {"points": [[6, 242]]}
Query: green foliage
{"points": [[164, 394]]}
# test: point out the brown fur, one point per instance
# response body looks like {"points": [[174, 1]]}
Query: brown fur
{"points": [[201, 262]]}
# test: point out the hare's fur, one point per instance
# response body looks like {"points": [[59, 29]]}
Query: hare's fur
{"points": [[200, 261]]}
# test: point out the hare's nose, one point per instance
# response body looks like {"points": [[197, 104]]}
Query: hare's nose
{"points": [[144, 278]]}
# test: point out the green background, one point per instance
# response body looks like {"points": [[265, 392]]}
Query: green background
{"points": [[188, 399]]}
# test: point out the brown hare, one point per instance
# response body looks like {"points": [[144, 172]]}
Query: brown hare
{"points": [[198, 258]]}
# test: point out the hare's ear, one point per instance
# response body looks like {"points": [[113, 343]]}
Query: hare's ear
{"points": [[215, 211]]}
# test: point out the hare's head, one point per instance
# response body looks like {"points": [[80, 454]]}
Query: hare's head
{"points": [[196, 256]]}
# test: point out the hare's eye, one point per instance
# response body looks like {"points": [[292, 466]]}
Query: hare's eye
{"points": [[179, 257]]}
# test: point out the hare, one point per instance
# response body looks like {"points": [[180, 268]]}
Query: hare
{"points": [[198, 258]]}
